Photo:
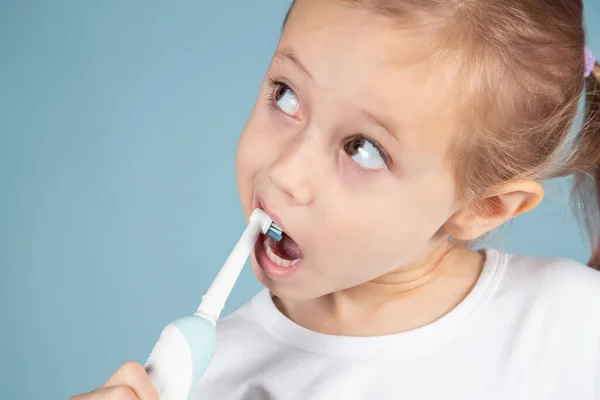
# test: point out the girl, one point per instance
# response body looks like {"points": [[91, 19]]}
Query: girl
{"points": [[388, 135]]}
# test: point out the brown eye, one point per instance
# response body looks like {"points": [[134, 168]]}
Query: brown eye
{"points": [[286, 100], [280, 91], [353, 146], [365, 153]]}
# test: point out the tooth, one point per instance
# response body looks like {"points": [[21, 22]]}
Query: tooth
{"points": [[284, 263], [274, 257]]}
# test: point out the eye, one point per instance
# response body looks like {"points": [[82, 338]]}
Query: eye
{"points": [[365, 153], [285, 99]]}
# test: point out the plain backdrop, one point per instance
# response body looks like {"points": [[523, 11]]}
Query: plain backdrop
{"points": [[119, 122]]}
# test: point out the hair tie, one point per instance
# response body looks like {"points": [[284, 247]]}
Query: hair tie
{"points": [[590, 61]]}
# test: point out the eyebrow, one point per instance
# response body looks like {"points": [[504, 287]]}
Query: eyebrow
{"points": [[381, 123], [287, 54]]}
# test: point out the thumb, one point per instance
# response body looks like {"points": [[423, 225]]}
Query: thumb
{"points": [[134, 376]]}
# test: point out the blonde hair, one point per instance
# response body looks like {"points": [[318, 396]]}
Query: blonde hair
{"points": [[523, 62]]}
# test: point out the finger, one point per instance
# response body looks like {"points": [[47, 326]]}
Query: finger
{"points": [[109, 393], [133, 375]]}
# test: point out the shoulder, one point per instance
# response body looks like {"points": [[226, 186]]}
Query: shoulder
{"points": [[549, 307], [553, 273], [559, 282]]}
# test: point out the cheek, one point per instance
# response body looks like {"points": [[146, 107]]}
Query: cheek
{"points": [[252, 157], [367, 238], [259, 146]]}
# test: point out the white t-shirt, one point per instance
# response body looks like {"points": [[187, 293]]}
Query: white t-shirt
{"points": [[529, 329]]}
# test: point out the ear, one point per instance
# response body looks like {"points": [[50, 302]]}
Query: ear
{"points": [[497, 206]]}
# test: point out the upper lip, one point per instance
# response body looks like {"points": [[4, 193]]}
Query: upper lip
{"points": [[270, 213]]}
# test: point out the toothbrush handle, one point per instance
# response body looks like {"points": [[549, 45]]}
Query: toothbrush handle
{"points": [[214, 300], [180, 357], [185, 347]]}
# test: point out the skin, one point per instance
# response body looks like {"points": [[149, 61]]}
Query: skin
{"points": [[375, 242], [129, 382], [377, 259]]}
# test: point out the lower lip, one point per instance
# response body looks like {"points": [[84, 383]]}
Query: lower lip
{"points": [[272, 270]]}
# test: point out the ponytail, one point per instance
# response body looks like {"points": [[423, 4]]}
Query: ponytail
{"points": [[588, 165]]}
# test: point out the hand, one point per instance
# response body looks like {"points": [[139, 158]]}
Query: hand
{"points": [[129, 382]]}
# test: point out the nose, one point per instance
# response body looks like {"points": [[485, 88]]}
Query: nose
{"points": [[294, 171]]}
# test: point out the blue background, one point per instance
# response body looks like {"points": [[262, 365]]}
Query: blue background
{"points": [[119, 122]]}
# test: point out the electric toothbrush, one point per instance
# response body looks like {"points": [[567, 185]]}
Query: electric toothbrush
{"points": [[186, 345]]}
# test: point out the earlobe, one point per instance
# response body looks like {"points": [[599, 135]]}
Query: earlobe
{"points": [[497, 206]]}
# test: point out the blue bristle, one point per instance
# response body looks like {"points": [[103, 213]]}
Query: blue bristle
{"points": [[275, 232]]}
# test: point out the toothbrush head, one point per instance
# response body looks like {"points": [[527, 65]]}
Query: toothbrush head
{"points": [[275, 232], [267, 226]]}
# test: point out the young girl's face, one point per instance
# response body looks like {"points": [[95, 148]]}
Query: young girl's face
{"points": [[348, 149]]}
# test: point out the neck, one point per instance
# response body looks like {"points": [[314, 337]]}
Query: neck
{"points": [[407, 298]]}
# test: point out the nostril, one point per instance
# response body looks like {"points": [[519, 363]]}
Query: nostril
{"points": [[302, 195]]}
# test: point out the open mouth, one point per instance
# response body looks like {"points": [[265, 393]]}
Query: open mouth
{"points": [[278, 260], [284, 253]]}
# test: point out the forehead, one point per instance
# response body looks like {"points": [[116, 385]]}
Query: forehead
{"points": [[370, 61]]}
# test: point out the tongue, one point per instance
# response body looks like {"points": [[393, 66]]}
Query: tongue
{"points": [[288, 249]]}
